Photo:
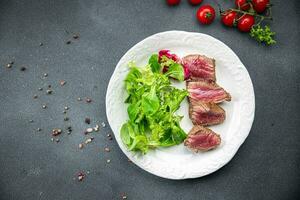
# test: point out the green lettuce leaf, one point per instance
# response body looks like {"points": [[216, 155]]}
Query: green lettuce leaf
{"points": [[152, 104], [139, 143], [125, 133], [154, 64], [176, 71]]}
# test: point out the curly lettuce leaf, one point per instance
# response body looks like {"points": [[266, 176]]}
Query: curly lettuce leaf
{"points": [[152, 103]]}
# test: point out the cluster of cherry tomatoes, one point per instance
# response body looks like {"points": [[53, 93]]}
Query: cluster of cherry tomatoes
{"points": [[243, 16], [258, 5]]}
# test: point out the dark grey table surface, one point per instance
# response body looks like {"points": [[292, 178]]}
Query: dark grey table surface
{"points": [[34, 167]]}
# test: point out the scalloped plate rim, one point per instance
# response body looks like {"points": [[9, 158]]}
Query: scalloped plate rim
{"points": [[131, 155]]}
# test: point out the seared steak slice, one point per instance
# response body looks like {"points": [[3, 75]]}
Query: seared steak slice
{"points": [[207, 92], [205, 113], [200, 67], [202, 139]]}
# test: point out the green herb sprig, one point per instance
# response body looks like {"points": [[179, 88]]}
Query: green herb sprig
{"points": [[263, 35]]}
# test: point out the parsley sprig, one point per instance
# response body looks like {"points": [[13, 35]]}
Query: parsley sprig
{"points": [[263, 34]]}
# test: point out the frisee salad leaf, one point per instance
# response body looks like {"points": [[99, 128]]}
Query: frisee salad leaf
{"points": [[152, 103]]}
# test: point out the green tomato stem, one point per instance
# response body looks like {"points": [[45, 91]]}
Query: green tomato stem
{"points": [[250, 13]]}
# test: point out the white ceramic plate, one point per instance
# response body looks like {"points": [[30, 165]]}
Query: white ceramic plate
{"points": [[178, 162]]}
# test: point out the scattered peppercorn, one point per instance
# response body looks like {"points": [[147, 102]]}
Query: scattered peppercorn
{"points": [[89, 140], [96, 128], [62, 82], [35, 96], [87, 120], [38, 129], [56, 131], [23, 69], [68, 42], [80, 176], [49, 91], [88, 100], [89, 130], [109, 136], [75, 36], [123, 196]]}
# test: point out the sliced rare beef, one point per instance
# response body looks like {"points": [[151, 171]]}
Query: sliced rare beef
{"points": [[207, 92], [202, 139], [200, 67], [205, 113]]}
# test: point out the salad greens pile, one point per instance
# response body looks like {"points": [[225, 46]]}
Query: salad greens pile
{"points": [[153, 102]]}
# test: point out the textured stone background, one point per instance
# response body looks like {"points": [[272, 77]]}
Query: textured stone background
{"points": [[33, 167]]}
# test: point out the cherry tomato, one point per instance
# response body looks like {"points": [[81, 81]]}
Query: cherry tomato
{"points": [[242, 4], [260, 5], [173, 2], [206, 14], [195, 2], [229, 18], [245, 23]]}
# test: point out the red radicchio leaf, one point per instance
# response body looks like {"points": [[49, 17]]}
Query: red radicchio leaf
{"points": [[168, 55], [176, 59]]}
